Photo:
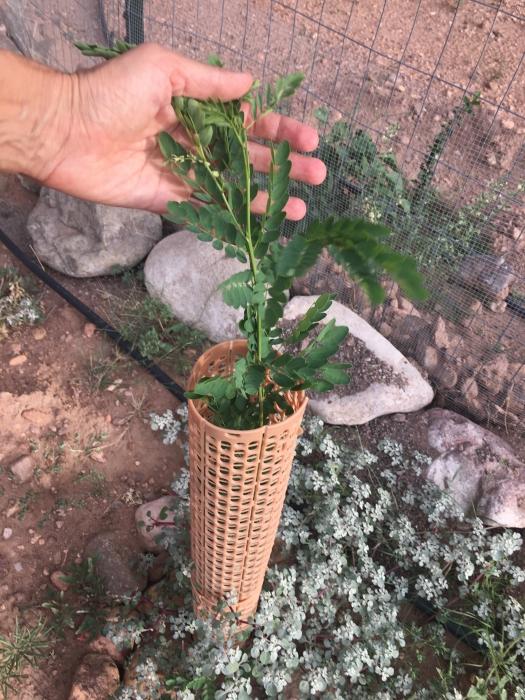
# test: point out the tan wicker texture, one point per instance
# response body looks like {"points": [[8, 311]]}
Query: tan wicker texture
{"points": [[238, 482]]}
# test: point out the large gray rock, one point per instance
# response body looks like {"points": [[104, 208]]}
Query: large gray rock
{"points": [[45, 30], [395, 386], [83, 239], [184, 273], [479, 469]]}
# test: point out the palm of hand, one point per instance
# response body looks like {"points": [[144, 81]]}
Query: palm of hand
{"points": [[110, 153]]}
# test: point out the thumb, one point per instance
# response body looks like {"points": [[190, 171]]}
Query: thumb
{"points": [[191, 78]]}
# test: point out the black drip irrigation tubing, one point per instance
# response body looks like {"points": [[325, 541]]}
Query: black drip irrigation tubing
{"points": [[463, 634], [94, 318]]}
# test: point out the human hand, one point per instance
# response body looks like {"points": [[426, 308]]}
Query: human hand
{"points": [[108, 148]]}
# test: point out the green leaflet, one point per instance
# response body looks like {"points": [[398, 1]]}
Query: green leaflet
{"points": [[215, 388], [359, 245], [236, 291], [255, 375], [169, 147], [312, 317], [278, 186], [181, 213], [298, 256], [335, 375], [326, 344]]}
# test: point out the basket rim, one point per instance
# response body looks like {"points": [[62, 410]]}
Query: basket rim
{"points": [[253, 431]]}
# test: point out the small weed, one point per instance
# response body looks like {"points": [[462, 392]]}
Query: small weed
{"points": [[17, 305], [87, 614], [25, 646], [101, 370], [96, 479], [149, 326], [93, 443], [24, 503]]}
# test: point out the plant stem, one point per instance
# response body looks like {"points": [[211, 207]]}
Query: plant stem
{"points": [[253, 262]]}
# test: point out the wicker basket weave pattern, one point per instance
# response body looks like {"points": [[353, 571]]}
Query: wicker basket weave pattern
{"points": [[238, 482]]}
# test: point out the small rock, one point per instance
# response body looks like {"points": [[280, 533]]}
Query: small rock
{"points": [[37, 417], [407, 330], [515, 390], [440, 334], [399, 417], [148, 517], [39, 333], [498, 306], [427, 355], [115, 563], [18, 566], [158, 569], [7, 533], [492, 375], [57, 579], [59, 524], [385, 329], [45, 481], [445, 376], [405, 304], [23, 468], [97, 678], [470, 389], [89, 330], [103, 645], [508, 124], [17, 360], [476, 306]]}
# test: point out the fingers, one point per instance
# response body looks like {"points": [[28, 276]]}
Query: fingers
{"points": [[304, 168], [194, 79], [276, 127], [295, 208]]}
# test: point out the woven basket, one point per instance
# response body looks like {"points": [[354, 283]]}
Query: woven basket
{"points": [[238, 482]]}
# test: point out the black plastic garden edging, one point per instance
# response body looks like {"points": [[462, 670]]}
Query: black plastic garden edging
{"points": [[94, 318]]}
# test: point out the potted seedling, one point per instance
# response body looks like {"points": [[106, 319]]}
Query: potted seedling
{"points": [[247, 397]]}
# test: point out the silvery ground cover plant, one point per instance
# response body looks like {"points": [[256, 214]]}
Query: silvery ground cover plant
{"points": [[362, 536]]}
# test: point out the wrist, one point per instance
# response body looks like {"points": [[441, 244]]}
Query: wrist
{"points": [[36, 103]]}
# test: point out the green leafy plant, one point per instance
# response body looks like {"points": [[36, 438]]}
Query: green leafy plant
{"points": [[364, 179], [217, 167]]}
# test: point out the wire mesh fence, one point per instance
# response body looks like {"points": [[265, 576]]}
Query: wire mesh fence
{"points": [[420, 106]]}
